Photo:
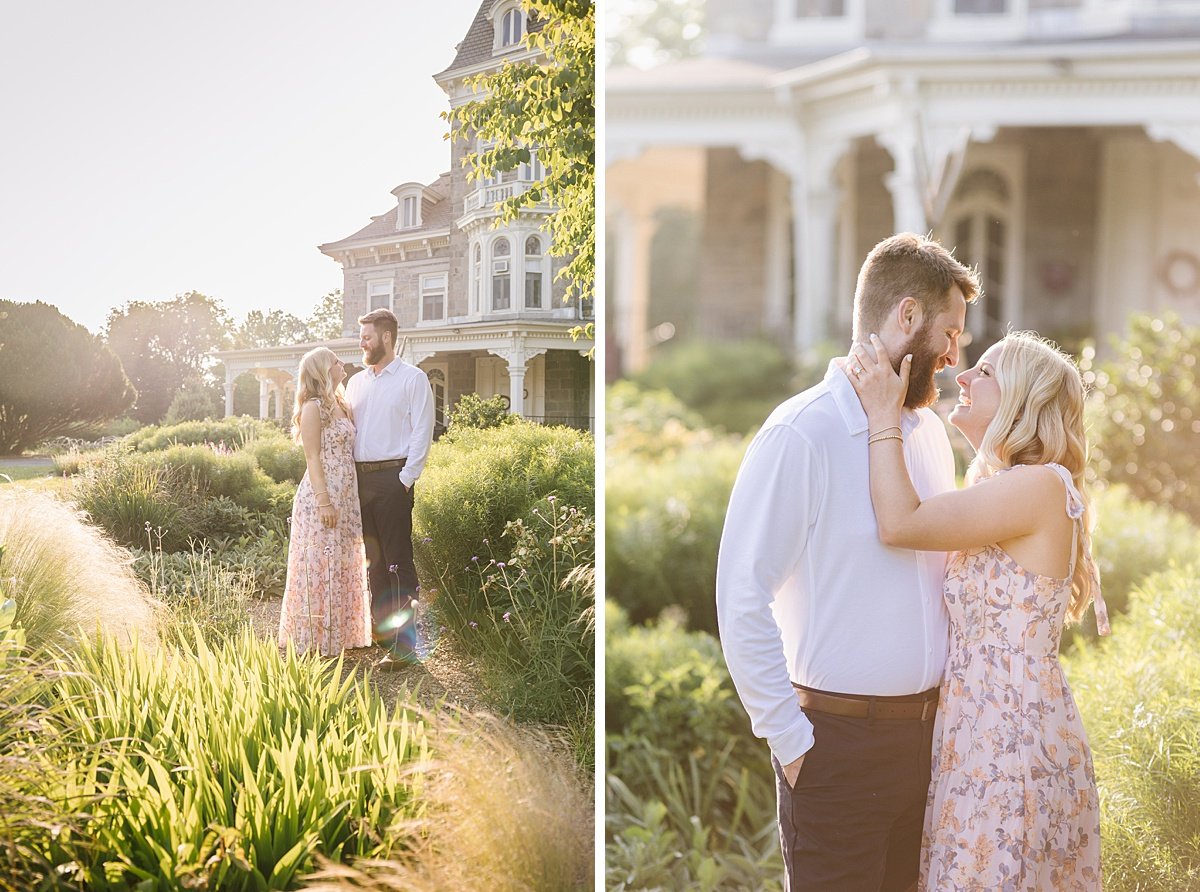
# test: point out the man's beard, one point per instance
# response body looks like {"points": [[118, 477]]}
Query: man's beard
{"points": [[372, 355], [922, 391]]}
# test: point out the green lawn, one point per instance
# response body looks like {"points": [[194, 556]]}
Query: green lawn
{"points": [[26, 467]]}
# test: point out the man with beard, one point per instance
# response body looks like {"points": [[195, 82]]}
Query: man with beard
{"points": [[835, 642], [393, 418]]}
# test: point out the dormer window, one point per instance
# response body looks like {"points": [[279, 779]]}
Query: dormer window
{"points": [[509, 22], [409, 198], [820, 9], [409, 214], [819, 22], [512, 27]]}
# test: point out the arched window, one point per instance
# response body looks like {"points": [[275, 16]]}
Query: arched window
{"points": [[512, 27], [533, 273], [979, 225], [476, 278], [501, 275]]}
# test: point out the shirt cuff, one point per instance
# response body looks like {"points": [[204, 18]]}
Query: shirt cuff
{"points": [[406, 481], [792, 743]]}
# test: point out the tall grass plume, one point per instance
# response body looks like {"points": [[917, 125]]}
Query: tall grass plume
{"points": [[64, 574], [506, 812]]}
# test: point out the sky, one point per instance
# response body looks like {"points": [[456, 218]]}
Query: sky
{"points": [[151, 148]]}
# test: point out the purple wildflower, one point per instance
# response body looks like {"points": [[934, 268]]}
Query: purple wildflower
{"points": [[392, 568], [474, 625], [507, 616]]}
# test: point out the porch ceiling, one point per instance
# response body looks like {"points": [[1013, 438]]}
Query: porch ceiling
{"points": [[869, 91]]}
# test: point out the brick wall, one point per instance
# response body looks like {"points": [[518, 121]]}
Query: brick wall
{"points": [[567, 384], [732, 247]]}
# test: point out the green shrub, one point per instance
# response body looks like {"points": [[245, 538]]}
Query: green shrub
{"points": [[226, 768], [529, 620], [236, 476], [663, 527], [281, 459], [1134, 540], [473, 411], [733, 385], [261, 554], [69, 464], [649, 423], [233, 433], [1139, 696], [480, 480], [1146, 413], [125, 497], [689, 798], [193, 402]]}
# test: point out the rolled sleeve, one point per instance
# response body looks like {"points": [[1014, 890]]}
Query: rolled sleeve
{"points": [[766, 530]]}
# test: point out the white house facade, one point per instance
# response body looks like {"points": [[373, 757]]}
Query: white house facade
{"points": [[478, 305], [1055, 144]]}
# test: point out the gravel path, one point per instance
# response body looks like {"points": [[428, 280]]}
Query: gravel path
{"points": [[444, 677]]}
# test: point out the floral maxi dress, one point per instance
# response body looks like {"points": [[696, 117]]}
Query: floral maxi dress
{"points": [[326, 600], [1012, 801]]}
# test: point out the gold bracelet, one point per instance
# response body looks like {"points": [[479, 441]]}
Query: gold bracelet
{"points": [[879, 439], [894, 427]]}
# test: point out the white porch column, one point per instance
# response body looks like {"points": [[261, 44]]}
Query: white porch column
{"points": [[815, 201], [904, 182], [778, 259], [279, 396], [264, 397], [632, 293], [228, 392], [516, 385]]}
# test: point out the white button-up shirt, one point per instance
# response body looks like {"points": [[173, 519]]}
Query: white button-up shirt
{"points": [[806, 592], [393, 416]]}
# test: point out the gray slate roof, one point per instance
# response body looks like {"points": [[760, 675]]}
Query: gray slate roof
{"points": [[435, 215], [476, 47]]}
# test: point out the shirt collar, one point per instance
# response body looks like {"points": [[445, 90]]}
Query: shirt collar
{"points": [[387, 369], [849, 405]]}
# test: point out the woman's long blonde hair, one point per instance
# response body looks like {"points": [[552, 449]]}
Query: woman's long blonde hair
{"points": [[314, 380], [1040, 420]]}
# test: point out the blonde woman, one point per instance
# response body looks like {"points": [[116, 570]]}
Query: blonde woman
{"points": [[1012, 801], [326, 601]]}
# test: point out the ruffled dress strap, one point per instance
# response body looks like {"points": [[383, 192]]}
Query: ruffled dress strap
{"points": [[1075, 512]]}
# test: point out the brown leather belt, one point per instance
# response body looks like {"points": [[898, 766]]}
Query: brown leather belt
{"points": [[921, 706], [366, 467]]}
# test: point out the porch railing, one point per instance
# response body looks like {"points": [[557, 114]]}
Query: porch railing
{"points": [[578, 422]]}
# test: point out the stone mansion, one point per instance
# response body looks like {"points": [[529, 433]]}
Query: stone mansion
{"points": [[478, 305]]}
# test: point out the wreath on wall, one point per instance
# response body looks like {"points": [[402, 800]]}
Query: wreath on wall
{"points": [[1180, 273]]}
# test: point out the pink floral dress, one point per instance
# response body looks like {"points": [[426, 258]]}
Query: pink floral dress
{"points": [[326, 600], [1012, 801]]}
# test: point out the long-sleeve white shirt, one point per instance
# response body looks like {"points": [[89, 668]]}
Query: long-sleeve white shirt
{"points": [[806, 592], [393, 416]]}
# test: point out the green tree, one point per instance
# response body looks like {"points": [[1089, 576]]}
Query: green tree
{"points": [[274, 328], [325, 323], [195, 401], [162, 344], [55, 377], [547, 102], [645, 33]]}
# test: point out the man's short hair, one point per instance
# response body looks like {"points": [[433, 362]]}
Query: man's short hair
{"points": [[908, 265], [384, 320]]}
